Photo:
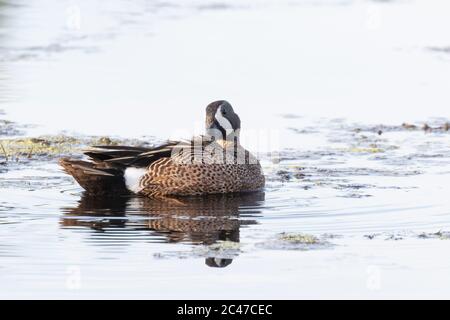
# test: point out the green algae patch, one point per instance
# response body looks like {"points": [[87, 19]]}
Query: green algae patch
{"points": [[299, 238], [224, 246], [47, 147], [296, 241], [366, 150], [218, 250]]}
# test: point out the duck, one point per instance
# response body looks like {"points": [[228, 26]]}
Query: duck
{"points": [[212, 163]]}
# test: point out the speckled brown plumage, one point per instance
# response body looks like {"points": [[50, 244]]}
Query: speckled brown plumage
{"points": [[207, 174], [168, 178]]}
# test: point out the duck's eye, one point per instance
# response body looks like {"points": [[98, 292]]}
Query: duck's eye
{"points": [[224, 112]]}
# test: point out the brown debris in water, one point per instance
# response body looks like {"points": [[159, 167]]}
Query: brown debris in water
{"points": [[409, 126], [426, 127]]}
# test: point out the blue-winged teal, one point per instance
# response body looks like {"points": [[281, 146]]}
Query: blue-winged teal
{"points": [[209, 164]]}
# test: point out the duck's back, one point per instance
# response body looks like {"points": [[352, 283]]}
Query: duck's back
{"points": [[209, 169]]}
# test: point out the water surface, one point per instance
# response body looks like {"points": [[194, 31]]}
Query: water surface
{"points": [[326, 86]]}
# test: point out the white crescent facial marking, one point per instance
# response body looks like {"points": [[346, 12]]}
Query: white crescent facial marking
{"points": [[132, 178], [224, 122], [218, 261]]}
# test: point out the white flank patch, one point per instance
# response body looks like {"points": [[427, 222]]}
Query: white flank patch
{"points": [[132, 178], [224, 122]]}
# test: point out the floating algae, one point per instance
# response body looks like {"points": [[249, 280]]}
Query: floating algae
{"points": [[299, 238], [365, 150], [50, 147], [220, 249], [441, 235], [408, 234], [296, 241], [15, 149]]}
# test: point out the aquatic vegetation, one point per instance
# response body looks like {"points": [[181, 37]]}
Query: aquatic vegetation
{"points": [[16, 148], [296, 241], [441, 235], [220, 249], [299, 238], [438, 125], [50, 147], [371, 236], [9, 128], [355, 195], [284, 175], [365, 150], [224, 245], [405, 235], [317, 174], [394, 237], [388, 236]]}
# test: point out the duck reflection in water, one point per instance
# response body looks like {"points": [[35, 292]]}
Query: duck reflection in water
{"points": [[195, 220]]}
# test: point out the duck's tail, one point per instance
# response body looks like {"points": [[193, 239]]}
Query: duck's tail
{"points": [[96, 178]]}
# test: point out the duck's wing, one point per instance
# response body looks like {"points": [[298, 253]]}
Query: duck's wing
{"points": [[129, 156], [104, 153], [143, 156]]}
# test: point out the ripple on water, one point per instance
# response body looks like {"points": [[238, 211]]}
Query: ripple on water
{"points": [[197, 220], [360, 185]]}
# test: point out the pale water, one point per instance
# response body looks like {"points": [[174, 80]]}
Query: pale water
{"points": [[324, 86]]}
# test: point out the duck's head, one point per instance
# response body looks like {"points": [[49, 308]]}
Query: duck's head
{"points": [[222, 122]]}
